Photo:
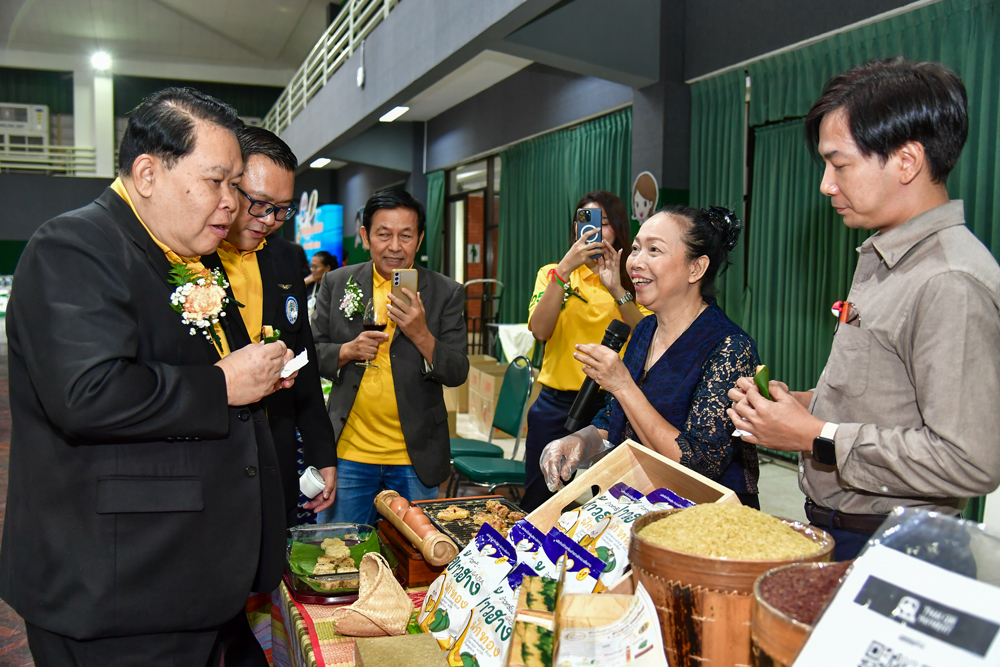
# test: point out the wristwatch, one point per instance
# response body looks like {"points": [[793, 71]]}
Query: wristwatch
{"points": [[625, 299], [824, 447]]}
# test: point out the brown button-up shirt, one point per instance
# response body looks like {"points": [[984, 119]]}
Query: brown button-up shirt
{"points": [[915, 386]]}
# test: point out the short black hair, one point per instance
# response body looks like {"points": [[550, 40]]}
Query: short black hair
{"points": [[891, 102], [390, 199], [258, 141], [328, 260], [163, 125], [712, 232]]}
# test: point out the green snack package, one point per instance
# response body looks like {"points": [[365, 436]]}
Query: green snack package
{"points": [[762, 379]]}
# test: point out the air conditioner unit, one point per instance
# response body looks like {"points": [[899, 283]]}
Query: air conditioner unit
{"points": [[24, 127]]}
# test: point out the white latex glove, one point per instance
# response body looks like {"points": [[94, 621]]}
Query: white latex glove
{"points": [[561, 457]]}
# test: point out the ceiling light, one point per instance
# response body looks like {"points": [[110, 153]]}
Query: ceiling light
{"points": [[394, 114], [320, 162], [469, 174], [101, 60]]}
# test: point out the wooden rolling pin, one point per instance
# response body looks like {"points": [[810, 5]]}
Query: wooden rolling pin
{"points": [[437, 548]]}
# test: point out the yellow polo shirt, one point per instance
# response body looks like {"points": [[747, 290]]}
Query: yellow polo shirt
{"points": [[578, 323], [193, 263], [372, 433], [243, 272]]}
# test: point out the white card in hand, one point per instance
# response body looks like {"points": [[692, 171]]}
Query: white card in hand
{"points": [[295, 364]]}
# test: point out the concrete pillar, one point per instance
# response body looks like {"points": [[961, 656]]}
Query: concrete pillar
{"points": [[104, 124], [94, 118]]}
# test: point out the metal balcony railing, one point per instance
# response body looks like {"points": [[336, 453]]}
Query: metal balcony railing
{"points": [[353, 24], [62, 160]]}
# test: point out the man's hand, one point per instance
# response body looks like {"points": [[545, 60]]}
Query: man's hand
{"points": [[604, 366], [412, 321], [783, 424], [255, 371], [326, 497], [362, 348]]}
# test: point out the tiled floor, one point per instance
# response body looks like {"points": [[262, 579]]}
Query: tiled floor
{"points": [[13, 643]]}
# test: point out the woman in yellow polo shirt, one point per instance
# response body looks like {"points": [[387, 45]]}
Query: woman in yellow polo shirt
{"points": [[573, 302]]}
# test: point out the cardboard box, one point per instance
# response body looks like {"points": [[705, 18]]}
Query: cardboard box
{"points": [[486, 379], [463, 389], [642, 469], [451, 405]]}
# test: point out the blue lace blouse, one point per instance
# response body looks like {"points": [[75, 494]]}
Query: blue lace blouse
{"points": [[688, 386]]}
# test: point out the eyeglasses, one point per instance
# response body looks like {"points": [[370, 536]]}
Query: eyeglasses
{"points": [[262, 209]]}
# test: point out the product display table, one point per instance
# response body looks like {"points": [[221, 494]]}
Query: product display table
{"points": [[302, 635]]}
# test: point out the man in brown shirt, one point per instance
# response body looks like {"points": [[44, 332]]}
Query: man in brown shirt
{"points": [[905, 411]]}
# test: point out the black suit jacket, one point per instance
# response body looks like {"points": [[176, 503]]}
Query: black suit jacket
{"points": [[139, 501], [419, 397], [303, 405]]}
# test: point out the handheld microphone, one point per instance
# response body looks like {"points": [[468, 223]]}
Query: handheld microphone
{"points": [[614, 338]]}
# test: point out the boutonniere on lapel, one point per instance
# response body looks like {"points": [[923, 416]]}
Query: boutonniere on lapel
{"points": [[351, 303], [200, 298]]}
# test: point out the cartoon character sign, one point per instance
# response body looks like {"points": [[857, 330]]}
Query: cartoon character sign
{"points": [[645, 193], [305, 221]]}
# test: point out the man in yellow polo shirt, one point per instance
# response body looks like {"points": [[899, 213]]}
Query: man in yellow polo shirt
{"points": [[265, 276], [390, 418]]}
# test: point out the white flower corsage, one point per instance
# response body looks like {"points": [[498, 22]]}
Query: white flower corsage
{"points": [[200, 298], [351, 303]]}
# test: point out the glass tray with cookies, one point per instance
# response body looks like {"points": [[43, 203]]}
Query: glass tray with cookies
{"points": [[321, 561], [460, 518]]}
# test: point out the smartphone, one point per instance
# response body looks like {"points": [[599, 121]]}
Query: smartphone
{"points": [[404, 278], [588, 225]]}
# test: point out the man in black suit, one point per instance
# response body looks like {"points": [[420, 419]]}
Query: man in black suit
{"points": [[391, 422], [144, 502], [265, 276]]}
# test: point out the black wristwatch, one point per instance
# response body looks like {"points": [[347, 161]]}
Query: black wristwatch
{"points": [[824, 447]]}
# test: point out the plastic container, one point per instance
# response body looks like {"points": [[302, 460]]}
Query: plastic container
{"points": [[337, 587]]}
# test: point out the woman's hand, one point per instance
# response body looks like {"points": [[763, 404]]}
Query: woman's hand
{"points": [[609, 264], [603, 365], [577, 256]]}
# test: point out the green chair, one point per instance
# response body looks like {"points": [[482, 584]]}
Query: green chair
{"points": [[494, 471]]}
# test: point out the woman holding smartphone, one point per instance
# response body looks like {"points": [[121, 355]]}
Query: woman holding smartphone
{"points": [[573, 302]]}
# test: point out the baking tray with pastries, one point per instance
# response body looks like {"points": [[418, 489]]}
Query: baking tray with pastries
{"points": [[460, 518]]}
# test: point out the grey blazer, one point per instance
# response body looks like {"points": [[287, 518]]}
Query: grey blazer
{"points": [[419, 397]]}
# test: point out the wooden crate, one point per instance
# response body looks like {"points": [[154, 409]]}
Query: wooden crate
{"points": [[642, 469]]}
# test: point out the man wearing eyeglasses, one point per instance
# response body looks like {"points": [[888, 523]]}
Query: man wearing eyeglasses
{"points": [[265, 277]]}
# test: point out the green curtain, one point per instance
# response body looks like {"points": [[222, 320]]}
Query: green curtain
{"points": [[435, 219], [542, 179], [33, 86], [246, 99], [801, 258], [718, 107], [959, 33]]}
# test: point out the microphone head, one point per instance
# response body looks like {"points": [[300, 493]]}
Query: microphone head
{"points": [[616, 335]]}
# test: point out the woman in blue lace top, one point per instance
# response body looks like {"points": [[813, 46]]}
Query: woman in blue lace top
{"points": [[670, 390]]}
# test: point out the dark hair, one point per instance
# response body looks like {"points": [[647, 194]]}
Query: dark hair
{"points": [[328, 260], [259, 141], [891, 102], [618, 219], [712, 232], [163, 125], [390, 199]]}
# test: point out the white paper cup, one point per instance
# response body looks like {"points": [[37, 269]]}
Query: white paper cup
{"points": [[311, 483]]}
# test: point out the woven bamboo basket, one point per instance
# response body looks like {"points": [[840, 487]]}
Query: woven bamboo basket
{"points": [[704, 604], [776, 637]]}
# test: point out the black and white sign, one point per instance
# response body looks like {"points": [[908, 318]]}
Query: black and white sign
{"points": [[897, 611]]}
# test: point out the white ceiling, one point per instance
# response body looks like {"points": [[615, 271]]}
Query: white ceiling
{"points": [[274, 34], [485, 70]]}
